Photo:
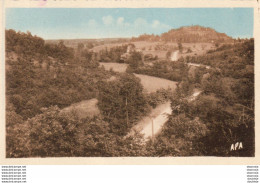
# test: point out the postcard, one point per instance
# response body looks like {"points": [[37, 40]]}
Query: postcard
{"points": [[129, 82]]}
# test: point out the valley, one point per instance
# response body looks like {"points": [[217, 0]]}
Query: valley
{"points": [[151, 95]]}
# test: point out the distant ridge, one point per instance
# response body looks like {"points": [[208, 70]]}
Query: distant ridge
{"points": [[187, 34]]}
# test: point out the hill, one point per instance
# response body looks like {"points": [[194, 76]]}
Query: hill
{"points": [[60, 103], [188, 34]]}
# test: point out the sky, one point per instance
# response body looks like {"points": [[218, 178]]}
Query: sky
{"points": [[76, 23]]}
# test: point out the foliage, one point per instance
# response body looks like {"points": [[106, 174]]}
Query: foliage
{"points": [[30, 85], [15, 132], [59, 51], [55, 134], [47, 77], [226, 106], [180, 47], [121, 102], [180, 137], [173, 71], [113, 54], [23, 43], [135, 60], [159, 97], [87, 59], [187, 34]]}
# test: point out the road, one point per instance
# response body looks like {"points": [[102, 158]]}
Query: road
{"points": [[158, 116], [175, 55], [198, 65]]}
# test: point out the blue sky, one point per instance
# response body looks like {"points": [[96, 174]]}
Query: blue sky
{"points": [[72, 23]]}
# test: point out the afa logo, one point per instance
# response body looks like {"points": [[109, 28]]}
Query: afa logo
{"points": [[236, 146]]}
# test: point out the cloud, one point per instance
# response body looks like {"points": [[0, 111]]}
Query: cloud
{"points": [[92, 23], [120, 21], [121, 27], [165, 27], [155, 23], [154, 27], [122, 24], [140, 22], [108, 20], [158, 25]]}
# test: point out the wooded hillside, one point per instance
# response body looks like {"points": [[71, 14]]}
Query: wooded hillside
{"points": [[188, 34]]}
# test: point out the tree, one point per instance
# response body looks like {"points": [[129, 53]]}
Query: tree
{"points": [[168, 54], [15, 133], [52, 134], [121, 102], [180, 47], [180, 137], [80, 47], [90, 45], [135, 60]]}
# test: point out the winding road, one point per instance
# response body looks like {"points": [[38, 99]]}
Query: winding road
{"points": [[155, 120]]}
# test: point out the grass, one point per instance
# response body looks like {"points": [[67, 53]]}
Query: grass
{"points": [[151, 84], [83, 109]]}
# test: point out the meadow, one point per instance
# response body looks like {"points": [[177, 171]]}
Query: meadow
{"points": [[150, 83], [83, 109]]}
